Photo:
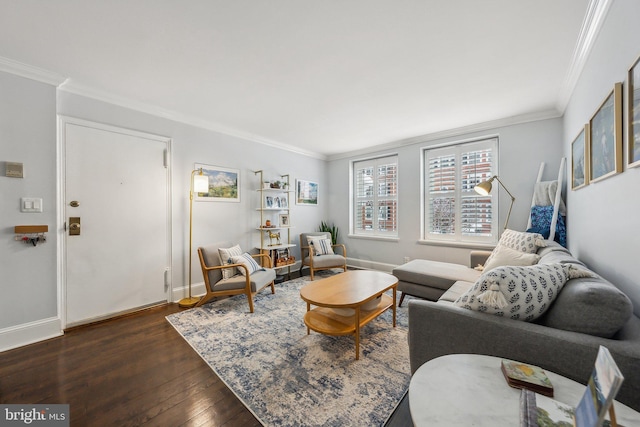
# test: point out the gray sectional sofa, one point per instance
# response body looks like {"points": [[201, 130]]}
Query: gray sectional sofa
{"points": [[588, 312]]}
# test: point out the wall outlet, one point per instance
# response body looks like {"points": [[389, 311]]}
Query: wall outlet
{"points": [[406, 259]]}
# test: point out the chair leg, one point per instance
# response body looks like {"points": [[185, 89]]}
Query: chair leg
{"points": [[402, 294], [250, 298], [311, 270], [273, 289]]}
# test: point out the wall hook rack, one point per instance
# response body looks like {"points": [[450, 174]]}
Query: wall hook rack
{"points": [[31, 234]]}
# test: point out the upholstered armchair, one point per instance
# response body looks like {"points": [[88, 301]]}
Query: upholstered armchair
{"points": [[243, 275], [321, 255]]}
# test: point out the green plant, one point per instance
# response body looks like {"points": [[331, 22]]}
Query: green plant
{"points": [[332, 229]]}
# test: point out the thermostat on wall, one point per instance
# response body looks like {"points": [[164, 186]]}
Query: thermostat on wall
{"points": [[14, 170]]}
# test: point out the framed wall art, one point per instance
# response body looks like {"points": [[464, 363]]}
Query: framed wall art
{"points": [[633, 97], [605, 137], [224, 184], [306, 192], [579, 159]]}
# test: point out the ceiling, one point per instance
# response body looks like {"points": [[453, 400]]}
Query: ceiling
{"points": [[323, 77]]}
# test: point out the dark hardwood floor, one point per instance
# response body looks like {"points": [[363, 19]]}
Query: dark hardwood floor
{"points": [[130, 371], [134, 370]]}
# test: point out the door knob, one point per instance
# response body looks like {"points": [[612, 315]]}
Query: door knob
{"points": [[74, 226]]}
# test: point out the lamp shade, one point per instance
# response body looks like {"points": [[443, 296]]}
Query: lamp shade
{"points": [[200, 184], [484, 188]]}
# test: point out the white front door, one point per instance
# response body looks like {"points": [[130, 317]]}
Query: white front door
{"points": [[116, 183]]}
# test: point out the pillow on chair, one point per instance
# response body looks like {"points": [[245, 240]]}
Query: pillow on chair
{"points": [[321, 245], [248, 261], [225, 259]]}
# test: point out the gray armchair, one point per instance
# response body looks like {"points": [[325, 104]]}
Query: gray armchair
{"points": [[321, 262], [248, 284]]}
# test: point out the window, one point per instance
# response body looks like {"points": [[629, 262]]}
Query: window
{"points": [[453, 210], [375, 197]]}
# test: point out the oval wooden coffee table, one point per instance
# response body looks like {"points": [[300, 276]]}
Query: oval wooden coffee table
{"points": [[347, 301]]}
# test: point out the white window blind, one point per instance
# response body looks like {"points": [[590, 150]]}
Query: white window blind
{"points": [[375, 196], [453, 210]]}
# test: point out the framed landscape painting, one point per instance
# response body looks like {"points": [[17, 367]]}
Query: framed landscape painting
{"points": [[224, 184], [634, 115], [579, 157], [306, 192], [605, 137]]}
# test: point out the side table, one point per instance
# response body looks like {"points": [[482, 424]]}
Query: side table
{"points": [[470, 389]]}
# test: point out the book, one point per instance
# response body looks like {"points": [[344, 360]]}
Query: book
{"points": [[537, 410], [523, 375], [604, 383]]}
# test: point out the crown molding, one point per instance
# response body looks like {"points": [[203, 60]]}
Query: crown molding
{"points": [[594, 19], [30, 72], [78, 89], [451, 133]]}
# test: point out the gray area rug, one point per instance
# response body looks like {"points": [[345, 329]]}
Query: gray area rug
{"points": [[288, 378]]}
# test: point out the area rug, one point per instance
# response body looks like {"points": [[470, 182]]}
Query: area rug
{"points": [[288, 378]]}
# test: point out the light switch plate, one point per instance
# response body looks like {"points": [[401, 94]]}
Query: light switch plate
{"points": [[30, 204]]}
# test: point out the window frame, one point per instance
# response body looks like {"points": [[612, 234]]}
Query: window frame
{"points": [[457, 148], [374, 197]]}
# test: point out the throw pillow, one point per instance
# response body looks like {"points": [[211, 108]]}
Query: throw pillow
{"points": [[518, 292], [225, 259], [321, 245], [248, 261], [503, 255], [522, 241]]}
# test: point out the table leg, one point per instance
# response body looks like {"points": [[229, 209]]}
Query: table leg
{"points": [[394, 306], [358, 333], [308, 309]]}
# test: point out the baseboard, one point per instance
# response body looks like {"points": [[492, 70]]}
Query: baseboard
{"points": [[197, 289], [370, 265], [29, 333]]}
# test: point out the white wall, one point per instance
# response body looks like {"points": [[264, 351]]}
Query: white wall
{"points": [[27, 274], [28, 134], [603, 217], [522, 148]]}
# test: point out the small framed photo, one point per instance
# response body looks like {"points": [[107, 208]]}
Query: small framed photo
{"points": [[306, 192], [634, 115], [579, 160], [605, 137], [224, 184], [284, 220]]}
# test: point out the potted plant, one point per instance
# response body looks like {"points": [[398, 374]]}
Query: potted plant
{"points": [[332, 229]]}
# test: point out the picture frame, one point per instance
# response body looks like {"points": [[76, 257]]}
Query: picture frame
{"points": [[633, 125], [284, 221], [580, 159], [306, 192], [224, 184], [605, 137]]}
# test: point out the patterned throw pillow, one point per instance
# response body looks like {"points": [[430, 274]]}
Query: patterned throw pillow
{"points": [[522, 241], [521, 293], [225, 258], [248, 261], [321, 245]]}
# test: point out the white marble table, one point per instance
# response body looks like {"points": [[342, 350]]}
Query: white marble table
{"points": [[470, 390]]}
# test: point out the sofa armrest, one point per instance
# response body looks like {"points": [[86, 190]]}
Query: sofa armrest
{"points": [[478, 257], [437, 329]]}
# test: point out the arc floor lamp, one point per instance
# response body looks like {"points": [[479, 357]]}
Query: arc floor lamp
{"points": [[484, 188], [199, 184]]}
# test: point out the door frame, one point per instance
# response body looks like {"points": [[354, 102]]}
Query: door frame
{"points": [[61, 208]]}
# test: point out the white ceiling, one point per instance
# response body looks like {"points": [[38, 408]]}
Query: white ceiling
{"points": [[324, 76]]}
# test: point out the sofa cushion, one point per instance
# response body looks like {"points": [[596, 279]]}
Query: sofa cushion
{"points": [[435, 274], [591, 306], [456, 291], [521, 293], [503, 255]]}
